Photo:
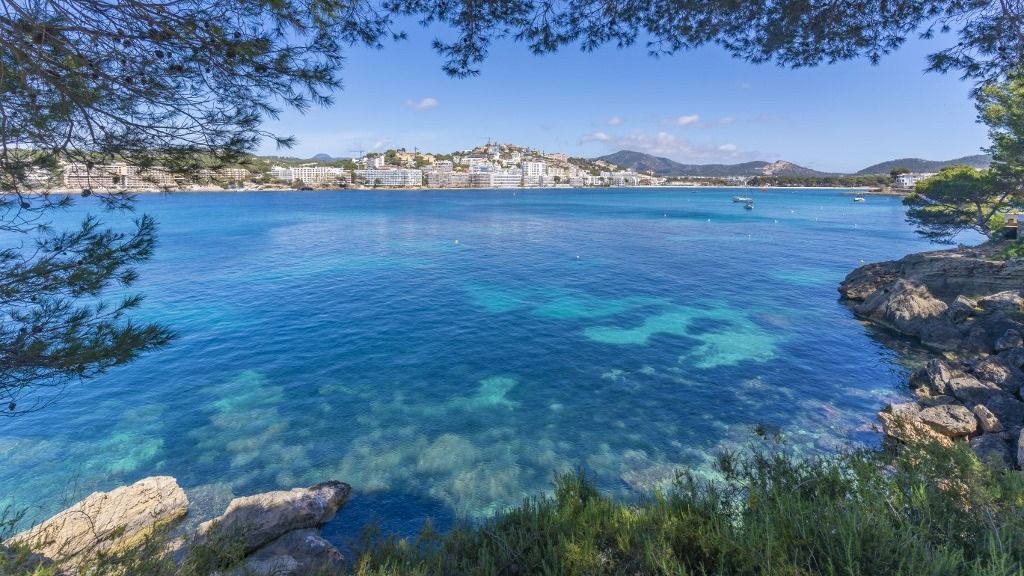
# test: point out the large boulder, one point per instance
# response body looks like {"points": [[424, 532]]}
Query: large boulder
{"points": [[946, 273], [107, 521], [253, 521], [903, 422], [902, 306], [296, 553], [1008, 302], [999, 371], [993, 449], [961, 309], [988, 421], [951, 420], [1010, 339]]}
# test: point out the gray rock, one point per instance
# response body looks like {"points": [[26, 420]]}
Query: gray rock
{"points": [[977, 342], [988, 421], [1014, 358], [971, 391], [295, 553], [951, 420], [961, 309], [1020, 447], [1010, 339], [946, 273], [903, 422], [927, 401], [934, 378], [904, 306], [992, 449], [252, 521], [999, 371], [1006, 302], [107, 521], [1007, 408]]}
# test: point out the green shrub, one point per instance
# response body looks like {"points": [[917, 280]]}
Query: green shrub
{"points": [[920, 510], [907, 510], [1011, 250]]}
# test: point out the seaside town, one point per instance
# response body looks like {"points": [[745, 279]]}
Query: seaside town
{"points": [[488, 166]]}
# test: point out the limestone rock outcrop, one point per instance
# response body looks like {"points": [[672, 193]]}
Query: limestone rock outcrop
{"points": [[262, 518], [273, 533], [106, 521], [969, 309]]}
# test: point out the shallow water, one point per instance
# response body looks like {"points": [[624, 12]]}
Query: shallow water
{"points": [[448, 352]]}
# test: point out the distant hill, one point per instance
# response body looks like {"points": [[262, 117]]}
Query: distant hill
{"points": [[641, 162], [919, 165], [322, 157]]}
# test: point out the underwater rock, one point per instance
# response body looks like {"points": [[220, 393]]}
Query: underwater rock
{"points": [[107, 521], [261, 518]]}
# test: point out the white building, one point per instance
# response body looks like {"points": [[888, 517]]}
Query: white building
{"points": [[474, 161], [206, 176], [395, 177], [910, 179], [506, 179], [309, 174], [119, 176], [621, 178]]}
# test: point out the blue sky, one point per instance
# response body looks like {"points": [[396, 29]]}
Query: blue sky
{"points": [[700, 106]]}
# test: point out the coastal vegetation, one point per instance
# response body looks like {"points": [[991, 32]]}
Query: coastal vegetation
{"points": [[913, 509], [964, 198], [825, 181]]}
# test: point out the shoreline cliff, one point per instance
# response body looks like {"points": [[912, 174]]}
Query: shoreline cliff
{"points": [[967, 308]]}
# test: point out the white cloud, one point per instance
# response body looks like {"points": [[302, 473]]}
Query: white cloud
{"points": [[596, 137], [726, 120], [424, 104], [615, 121], [727, 148], [686, 120]]}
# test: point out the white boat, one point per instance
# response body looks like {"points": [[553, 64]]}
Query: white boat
{"points": [[742, 199], [858, 199]]}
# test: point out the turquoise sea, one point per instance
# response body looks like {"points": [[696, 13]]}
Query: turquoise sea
{"points": [[448, 352]]}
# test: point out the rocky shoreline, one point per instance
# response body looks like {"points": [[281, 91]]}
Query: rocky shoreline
{"points": [[968, 309], [274, 533]]}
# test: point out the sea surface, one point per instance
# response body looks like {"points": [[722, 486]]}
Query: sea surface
{"points": [[449, 352]]}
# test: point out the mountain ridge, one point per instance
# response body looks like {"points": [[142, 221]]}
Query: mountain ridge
{"points": [[661, 166], [922, 165]]}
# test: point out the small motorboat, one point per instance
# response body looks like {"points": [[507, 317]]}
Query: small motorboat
{"points": [[858, 199], [742, 199], [749, 205]]}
